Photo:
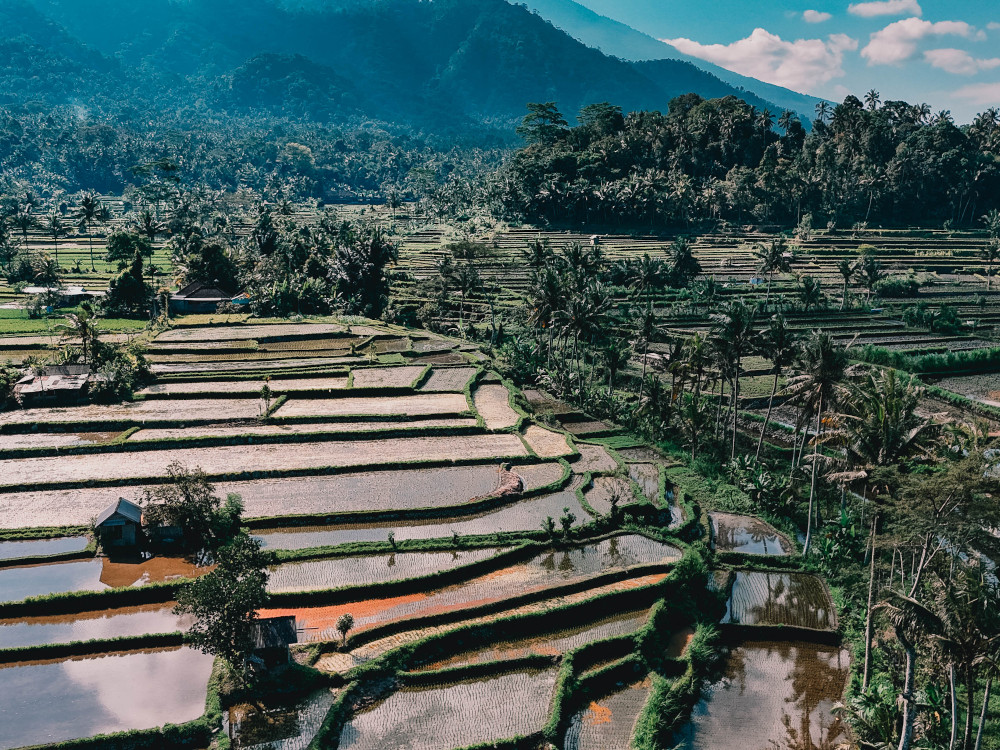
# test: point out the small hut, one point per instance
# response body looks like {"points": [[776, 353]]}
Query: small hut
{"points": [[272, 638], [119, 525], [60, 384], [198, 297]]}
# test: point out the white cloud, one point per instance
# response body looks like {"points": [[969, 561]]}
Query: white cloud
{"points": [[987, 94], [897, 42], [798, 65], [993, 26], [959, 61], [886, 8], [815, 16]]}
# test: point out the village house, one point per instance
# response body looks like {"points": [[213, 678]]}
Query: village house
{"points": [[198, 297], [272, 638], [57, 384], [119, 526]]}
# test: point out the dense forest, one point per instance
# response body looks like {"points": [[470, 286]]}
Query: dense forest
{"points": [[885, 163]]}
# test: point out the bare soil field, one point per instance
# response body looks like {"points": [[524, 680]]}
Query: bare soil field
{"points": [[293, 429], [247, 332], [386, 377], [251, 387], [492, 403], [546, 443], [445, 379], [137, 411]]}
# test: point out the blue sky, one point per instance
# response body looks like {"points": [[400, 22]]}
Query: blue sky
{"points": [[944, 53]]}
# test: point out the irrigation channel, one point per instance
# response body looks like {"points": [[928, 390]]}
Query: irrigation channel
{"points": [[512, 566]]}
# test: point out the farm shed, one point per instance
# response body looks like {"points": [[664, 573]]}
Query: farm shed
{"points": [[198, 297], [272, 637], [57, 384], [119, 524]]}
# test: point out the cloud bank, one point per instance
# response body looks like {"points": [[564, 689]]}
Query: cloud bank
{"points": [[897, 42], [815, 16], [886, 8], [959, 61], [798, 65]]}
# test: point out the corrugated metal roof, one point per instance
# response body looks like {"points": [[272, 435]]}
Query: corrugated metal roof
{"points": [[123, 507], [275, 632]]}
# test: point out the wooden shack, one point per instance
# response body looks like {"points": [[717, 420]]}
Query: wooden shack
{"points": [[119, 525], [61, 384], [272, 638], [198, 297]]}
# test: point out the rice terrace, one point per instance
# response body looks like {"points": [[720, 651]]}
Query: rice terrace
{"points": [[480, 375]]}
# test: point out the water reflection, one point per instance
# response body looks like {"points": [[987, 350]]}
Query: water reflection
{"points": [[773, 696], [42, 547], [111, 623], [732, 533], [100, 695], [780, 599]]}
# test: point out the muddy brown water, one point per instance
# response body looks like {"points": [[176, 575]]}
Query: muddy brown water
{"points": [[751, 536], [291, 728], [547, 569], [793, 599], [548, 644], [66, 700], [85, 626], [465, 713], [42, 547], [90, 575], [773, 696], [524, 515]]}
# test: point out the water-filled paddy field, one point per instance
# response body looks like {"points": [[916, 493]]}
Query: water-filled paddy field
{"points": [[794, 599], [315, 575], [85, 626], [42, 547], [269, 457], [65, 700], [609, 722], [751, 536], [772, 695], [522, 515], [291, 728], [545, 570], [450, 716], [89, 575], [548, 644]]}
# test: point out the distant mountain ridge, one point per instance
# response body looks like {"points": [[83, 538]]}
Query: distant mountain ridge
{"points": [[620, 40], [448, 66]]}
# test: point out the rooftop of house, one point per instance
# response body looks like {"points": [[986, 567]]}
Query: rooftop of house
{"points": [[55, 378], [122, 507], [201, 291], [275, 632]]}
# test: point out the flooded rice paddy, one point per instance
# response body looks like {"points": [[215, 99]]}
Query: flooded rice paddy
{"points": [[261, 457], [594, 458], [548, 644], [751, 536], [608, 723], [647, 476], [600, 494], [458, 715], [290, 728], [65, 700], [793, 599], [546, 570], [772, 696], [420, 404], [105, 624], [315, 575], [273, 430], [89, 575], [523, 515], [42, 547]]}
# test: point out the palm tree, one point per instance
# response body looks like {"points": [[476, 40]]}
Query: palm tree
{"points": [[910, 620], [545, 295], [823, 110], [87, 212], [770, 258], [870, 271], [821, 365], [846, 270], [150, 226], [779, 344], [467, 281], [873, 99], [82, 324], [646, 329], [616, 355], [684, 266], [24, 220], [537, 253], [733, 334], [57, 228], [647, 274], [810, 292]]}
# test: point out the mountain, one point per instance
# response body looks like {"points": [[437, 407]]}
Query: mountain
{"points": [[620, 40], [447, 65]]}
